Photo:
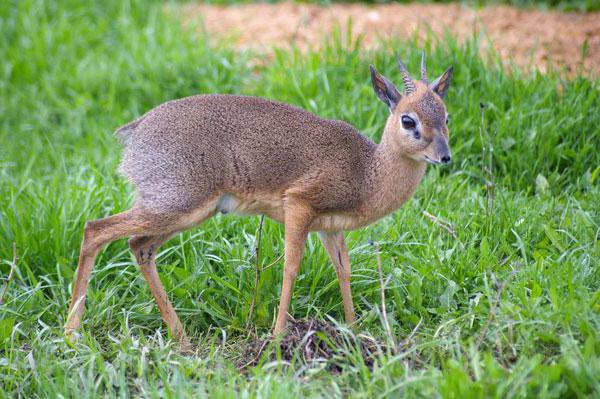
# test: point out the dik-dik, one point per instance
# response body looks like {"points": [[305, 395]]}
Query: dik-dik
{"points": [[194, 157]]}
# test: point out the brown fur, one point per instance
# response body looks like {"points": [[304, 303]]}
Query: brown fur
{"points": [[194, 157]]}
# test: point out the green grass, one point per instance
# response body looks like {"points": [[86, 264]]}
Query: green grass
{"points": [[510, 307]]}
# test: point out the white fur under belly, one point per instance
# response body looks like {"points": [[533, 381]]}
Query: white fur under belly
{"points": [[272, 206], [339, 222]]}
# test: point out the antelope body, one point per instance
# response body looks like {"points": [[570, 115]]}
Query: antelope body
{"points": [[194, 157]]}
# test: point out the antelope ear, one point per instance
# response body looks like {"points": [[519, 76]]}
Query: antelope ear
{"points": [[384, 89], [442, 84]]}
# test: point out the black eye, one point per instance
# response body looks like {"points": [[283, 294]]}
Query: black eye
{"points": [[408, 122], [447, 119]]}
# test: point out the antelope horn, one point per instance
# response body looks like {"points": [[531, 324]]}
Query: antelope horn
{"points": [[423, 68], [409, 85]]}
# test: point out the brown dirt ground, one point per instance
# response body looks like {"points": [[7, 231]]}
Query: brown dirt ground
{"points": [[542, 39]]}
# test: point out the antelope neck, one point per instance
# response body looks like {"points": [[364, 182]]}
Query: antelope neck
{"points": [[393, 178]]}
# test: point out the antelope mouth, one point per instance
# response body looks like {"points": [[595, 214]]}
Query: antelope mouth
{"points": [[432, 161]]}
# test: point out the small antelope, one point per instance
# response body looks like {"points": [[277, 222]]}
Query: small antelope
{"points": [[194, 157]]}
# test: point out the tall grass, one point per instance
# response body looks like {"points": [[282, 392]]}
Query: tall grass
{"points": [[508, 306]]}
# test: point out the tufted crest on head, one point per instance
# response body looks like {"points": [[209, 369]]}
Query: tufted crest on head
{"points": [[391, 96]]}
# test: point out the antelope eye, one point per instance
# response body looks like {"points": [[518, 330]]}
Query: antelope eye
{"points": [[408, 122]]}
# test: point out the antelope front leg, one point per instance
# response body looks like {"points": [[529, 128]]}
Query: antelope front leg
{"points": [[297, 221], [338, 253]]}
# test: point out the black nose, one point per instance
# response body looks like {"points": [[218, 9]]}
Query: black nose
{"points": [[446, 159]]}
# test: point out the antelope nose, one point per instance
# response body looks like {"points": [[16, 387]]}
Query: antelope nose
{"points": [[446, 159]]}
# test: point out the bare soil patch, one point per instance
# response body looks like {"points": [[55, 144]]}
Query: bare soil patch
{"points": [[530, 38], [312, 342]]}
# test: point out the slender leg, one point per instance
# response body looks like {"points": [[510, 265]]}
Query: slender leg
{"points": [[144, 248], [97, 234], [298, 217], [338, 253]]}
